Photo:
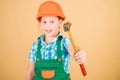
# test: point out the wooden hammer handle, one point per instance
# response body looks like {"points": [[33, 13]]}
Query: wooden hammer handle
{"points": [[75, 48]]}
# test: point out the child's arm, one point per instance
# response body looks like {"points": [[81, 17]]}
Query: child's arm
{"points": [[30, 71]]}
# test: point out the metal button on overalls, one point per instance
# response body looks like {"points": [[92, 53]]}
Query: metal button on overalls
{"points": [[50, 69]]}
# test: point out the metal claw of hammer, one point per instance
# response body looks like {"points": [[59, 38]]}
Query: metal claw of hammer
{"points": [[66, 27]]}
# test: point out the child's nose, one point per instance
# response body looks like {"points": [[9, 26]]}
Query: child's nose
{"points": [[48, 25]]}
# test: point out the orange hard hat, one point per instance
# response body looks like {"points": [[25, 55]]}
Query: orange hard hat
{"points": [[50, 8]]}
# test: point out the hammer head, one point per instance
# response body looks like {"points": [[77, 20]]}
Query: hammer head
{"points": [[67, 26]]}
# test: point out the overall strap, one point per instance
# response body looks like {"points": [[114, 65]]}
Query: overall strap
{"points": [[59, 53], [38, 54]]}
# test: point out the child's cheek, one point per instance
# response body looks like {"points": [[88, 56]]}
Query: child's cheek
{"points": [[42, 27], [56, 28]]}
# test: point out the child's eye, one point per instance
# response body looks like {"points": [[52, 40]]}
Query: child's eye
{"points": [[44, 22], [52, 21]]}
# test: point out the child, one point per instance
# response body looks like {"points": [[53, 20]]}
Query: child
{"points": [[50, 54]]}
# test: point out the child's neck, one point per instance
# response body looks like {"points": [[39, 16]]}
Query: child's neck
{"points": [[48, 39]]}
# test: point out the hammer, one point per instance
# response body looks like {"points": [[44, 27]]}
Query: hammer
{"points": [[66, 27]]}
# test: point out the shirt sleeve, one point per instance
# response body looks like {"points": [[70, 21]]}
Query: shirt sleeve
{"points": [[67, 42], [32, 53]]}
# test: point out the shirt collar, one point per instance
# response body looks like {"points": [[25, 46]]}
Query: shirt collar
{"points": [[42, 38]]}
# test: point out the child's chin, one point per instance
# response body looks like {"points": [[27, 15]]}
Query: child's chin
{"points": [[51, 35]]}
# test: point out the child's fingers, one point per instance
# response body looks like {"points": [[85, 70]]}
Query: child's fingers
{"points": [[80, 56], [80, 61]]}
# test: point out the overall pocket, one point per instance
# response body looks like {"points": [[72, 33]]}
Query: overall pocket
{"points": [[48, 69], [48, 73]]}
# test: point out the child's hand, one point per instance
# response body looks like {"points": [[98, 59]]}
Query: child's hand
{"points": [[80, 56]]}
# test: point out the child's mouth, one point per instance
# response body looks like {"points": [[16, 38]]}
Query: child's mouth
{"points": [[48, 31]]}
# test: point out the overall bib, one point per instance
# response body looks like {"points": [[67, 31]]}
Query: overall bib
{"points": [[50, 69]]}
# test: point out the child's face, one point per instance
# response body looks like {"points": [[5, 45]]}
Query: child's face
{"points": [[50, 25]]}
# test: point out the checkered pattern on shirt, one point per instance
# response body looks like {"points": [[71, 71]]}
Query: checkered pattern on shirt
{"points": [[49, 51]]}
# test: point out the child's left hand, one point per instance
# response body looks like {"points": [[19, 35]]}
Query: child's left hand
{"points": [[80, 56]]}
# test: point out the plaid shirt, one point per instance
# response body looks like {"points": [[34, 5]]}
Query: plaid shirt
{"points": [[49, 51]]}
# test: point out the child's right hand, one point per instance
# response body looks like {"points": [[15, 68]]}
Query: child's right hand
{"points": [[80, 56]]}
